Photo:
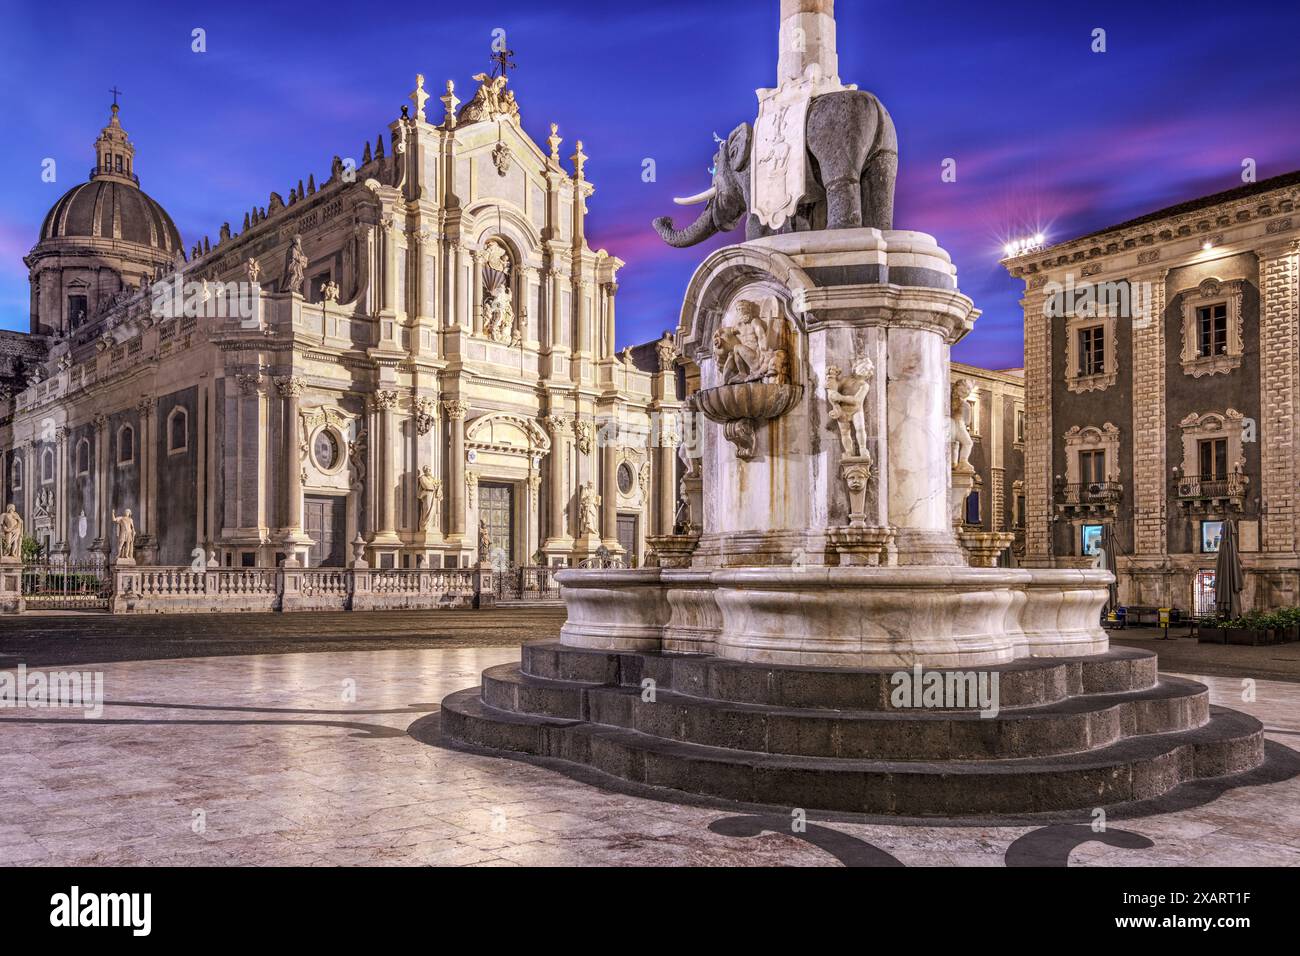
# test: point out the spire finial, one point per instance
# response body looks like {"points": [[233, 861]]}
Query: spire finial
{"points": [[419, 97]]}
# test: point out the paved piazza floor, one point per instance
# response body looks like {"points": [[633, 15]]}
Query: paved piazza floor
{"points": [[268, 760]]}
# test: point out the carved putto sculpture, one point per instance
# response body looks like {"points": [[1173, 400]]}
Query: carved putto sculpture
{"points": [[254, 269], [963, 415], [590, 509], [846, 394], [752, 350], [430, 496], [11, 533], [295, 267], [125, 535], [330, 291]]}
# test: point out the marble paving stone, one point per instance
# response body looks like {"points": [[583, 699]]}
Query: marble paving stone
{"points": [[289, 770]]}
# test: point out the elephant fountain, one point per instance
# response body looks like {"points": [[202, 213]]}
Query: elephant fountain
{"points": [[851, 163]]}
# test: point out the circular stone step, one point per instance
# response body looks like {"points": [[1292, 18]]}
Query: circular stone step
{"points": [[1138, 768], [1029, 682], [1084, 732], [1070, 726]]}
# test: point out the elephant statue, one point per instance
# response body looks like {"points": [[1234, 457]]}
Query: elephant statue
{"points": [[852, 164]]}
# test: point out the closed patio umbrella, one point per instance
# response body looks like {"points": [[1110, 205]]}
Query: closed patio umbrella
{"points": [[1108, 562], [1228, 576]]}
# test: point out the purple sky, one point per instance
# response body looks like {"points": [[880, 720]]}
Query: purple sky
{"points": [[1046, 134]]}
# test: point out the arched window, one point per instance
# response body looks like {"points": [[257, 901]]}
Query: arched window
{"points": [[126, 445], [83, 457], [16, 475], [47, 466], [178, 431]]}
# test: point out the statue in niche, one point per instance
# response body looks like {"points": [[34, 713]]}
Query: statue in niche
{"points": [[430, 496], [752, 350], [125, 535], [295, 267], [499, 311], [846, 394], [963, 416], [11, 533], [590, 509]]}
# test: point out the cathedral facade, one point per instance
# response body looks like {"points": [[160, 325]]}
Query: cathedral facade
{"points": [[401, 367]]}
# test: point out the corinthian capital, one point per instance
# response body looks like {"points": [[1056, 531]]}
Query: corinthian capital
{"points": [[290, 386], [456, 408], [385, 399]]}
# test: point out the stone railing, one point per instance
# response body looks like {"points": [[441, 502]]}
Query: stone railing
{"points": [[161, 590], [414, 589]]}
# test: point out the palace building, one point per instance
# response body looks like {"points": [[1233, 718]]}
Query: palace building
{"points": [[996, 501], [363, 372], [1162, 390]]}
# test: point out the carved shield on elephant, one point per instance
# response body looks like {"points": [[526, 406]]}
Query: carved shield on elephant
{"points": [[780, 157]]}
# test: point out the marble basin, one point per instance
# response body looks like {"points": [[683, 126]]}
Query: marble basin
{"points": [[740, 407]]}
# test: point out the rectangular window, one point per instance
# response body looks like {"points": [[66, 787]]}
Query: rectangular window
{"points": [[1214, 459], [1092, 467], [1211, 534], [973, 508], [1212, 330], [1090, 539], [1020, 511], [76, 310], [1020, 426], [1092, 350]]}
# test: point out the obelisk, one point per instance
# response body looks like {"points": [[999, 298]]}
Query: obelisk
{"points": [[807, 36]]}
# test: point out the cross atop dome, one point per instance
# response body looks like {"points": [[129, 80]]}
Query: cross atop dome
{"points": [[114, 154]]}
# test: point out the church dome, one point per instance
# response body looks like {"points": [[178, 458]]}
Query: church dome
{"points": [[108, 208], [112, 206]]}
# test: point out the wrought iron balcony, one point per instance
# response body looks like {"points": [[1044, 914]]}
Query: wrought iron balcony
{"points": [[1088, 495], [1196, 489]]}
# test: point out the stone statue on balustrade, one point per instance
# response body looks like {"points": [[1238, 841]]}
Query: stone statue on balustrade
{"points": [[125, 535], [484, 542], [11, 534], [430, 497], [295, 267]]}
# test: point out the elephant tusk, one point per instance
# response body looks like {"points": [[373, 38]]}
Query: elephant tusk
{"points": [[698, 198]]}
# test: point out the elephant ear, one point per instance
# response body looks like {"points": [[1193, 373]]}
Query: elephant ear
{"points": [[738, 146]]}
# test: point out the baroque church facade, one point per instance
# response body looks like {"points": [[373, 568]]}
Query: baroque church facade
{"points": [[409, 363]]}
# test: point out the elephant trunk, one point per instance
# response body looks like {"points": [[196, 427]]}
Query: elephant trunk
{"points": [[702, 228]]}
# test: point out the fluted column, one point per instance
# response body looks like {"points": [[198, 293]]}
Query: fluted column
{"points": [[385, 403], [476, 284], [63, 469], [101, 481], [610, 328], [145, 454], [291, 492], [667, 478], [609, 484], [456, 410], [559, 428]]}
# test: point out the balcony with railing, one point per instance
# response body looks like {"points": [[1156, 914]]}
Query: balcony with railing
{"points": [[1211, 491], [1088, 496]]}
